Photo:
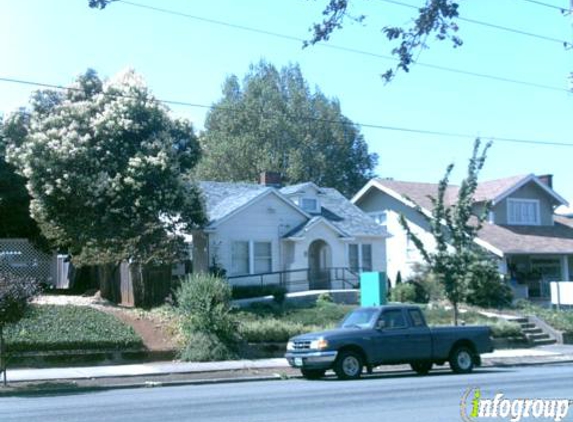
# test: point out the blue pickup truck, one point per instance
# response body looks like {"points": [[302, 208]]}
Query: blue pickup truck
{"points": [[387, 335]]}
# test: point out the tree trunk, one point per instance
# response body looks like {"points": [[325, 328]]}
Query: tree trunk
{"points": [[456, 313], [2, 356]]}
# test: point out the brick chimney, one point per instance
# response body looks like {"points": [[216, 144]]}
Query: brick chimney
{"points": [[271, 179], [546, 179]]}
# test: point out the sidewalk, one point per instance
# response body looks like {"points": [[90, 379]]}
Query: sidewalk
{"points": [[506, 357]]}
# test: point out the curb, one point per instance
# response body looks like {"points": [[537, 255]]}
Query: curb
{"points": [[67, 389]]}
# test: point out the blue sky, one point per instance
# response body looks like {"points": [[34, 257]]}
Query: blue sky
{"points": [[188, 60]]}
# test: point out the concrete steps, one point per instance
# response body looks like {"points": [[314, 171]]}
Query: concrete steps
{"points": [[535, 335]]}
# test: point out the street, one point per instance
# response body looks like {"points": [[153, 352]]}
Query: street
{"points": [[387, 397]]}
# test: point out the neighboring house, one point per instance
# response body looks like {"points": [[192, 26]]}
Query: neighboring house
{"points": [[533, 245], [303, 236]]}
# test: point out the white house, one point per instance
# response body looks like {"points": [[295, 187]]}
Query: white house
{"points": [[532, 244], [303, 236]]}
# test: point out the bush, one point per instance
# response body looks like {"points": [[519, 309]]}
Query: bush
{"points": [[503, 328], [404, 293], [246, 292], [204, 302], [428, 288], [15, 293], [205, 347], [324, 299], [271, 330], [485, 289], [52, 327]]}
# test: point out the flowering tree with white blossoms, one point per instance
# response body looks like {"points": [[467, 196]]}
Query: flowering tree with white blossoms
{"points": [[105, 165]]}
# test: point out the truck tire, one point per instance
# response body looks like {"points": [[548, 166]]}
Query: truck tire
{"points": [[312, 374], [348, 365], [462, 360], [421, 368]]}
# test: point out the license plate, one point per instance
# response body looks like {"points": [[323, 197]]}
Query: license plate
{"points": [[297, 361]]}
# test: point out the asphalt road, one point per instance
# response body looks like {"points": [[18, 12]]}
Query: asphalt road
{"points": [[389, 397]]}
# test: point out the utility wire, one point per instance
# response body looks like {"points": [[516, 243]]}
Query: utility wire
{"points": [[565, 44], [308, 118], [341, 48], [563, 10]]}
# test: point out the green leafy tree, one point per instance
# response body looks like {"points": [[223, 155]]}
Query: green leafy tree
{"points": [[456, 260], [16, 221], [104, 163], [275, 122]]}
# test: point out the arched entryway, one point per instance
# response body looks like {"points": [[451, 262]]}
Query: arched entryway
{"points": [[319, 264]]}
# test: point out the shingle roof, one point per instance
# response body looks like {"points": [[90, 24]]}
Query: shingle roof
{"points": [[488, 190], [420, 193], [223, 198], [556, 239]]}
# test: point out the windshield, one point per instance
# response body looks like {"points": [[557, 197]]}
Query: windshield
{"points": [[360, 318]]}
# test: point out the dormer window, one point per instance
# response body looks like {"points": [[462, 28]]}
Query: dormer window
{"points": [[523, 212], [309, 204]]}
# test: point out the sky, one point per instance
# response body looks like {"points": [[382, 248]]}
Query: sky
{"points": [[187, 59]]}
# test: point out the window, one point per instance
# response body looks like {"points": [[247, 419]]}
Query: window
{"points": [[366, 257], [353, 261], [523, 212], [249, 257], [240, 258], [392, 319], [416, 317], [263, 257], [380, 217], [309, 204], [360, 257]]}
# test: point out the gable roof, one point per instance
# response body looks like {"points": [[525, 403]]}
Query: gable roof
{"points": [[300, 231], [224, 199], [300, 187]]}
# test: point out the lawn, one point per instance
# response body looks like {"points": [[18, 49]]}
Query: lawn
{"points": [[277, 324], [52, 328]]}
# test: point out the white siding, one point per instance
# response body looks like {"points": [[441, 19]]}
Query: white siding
{"points": [[266, 220]]}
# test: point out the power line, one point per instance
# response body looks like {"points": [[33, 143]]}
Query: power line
{"points": [[565, 44], [308, 118], [341, 48], [563, 10]]}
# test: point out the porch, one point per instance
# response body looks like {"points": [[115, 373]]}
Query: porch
{"points": [[530, 276], [333, 278]]}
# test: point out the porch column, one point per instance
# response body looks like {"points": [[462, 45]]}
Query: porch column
{"points": [[564, 268]]}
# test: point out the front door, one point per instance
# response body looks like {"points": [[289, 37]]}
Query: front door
{"points": [[319, 265]]}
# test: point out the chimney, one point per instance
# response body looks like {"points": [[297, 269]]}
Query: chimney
{"points": [[546, 179], [271, 179]]}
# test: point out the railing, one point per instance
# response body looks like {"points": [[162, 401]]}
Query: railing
{"points": [[302, 279]]}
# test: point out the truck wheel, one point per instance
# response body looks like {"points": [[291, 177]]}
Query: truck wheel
{"points": [[312, 374], [462, 360], [348, 365], [421, 368]]}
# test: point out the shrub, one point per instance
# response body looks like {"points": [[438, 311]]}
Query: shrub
{"points": [[503, 328], [404, 293], [485, 289], [271, 330], [428, 288], [245, 292], [205, 347], [204, 302], [324, 299]]}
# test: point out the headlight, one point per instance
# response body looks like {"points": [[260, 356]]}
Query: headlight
{"points": [[319, 344], [290, 345]]}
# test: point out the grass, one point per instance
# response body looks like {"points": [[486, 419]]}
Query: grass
{"points": [[277, 324], [55, 328]]}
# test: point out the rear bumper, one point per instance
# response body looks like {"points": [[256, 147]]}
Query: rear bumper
{"points": [[312, 360]]}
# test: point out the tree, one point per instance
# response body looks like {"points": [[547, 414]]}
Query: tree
{"points": [[456, 259], [437, 16], [104, 163], [15, 294], [275, 122], [14, 198]]}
